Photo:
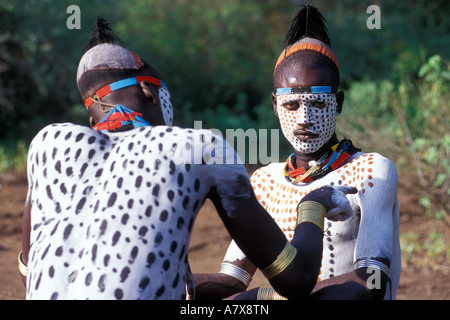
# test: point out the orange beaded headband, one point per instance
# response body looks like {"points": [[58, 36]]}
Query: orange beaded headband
{"points": [[303, 46]]}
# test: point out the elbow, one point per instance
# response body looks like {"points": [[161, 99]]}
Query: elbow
{"points": [[216, 286], [295, 287], [299, 278]]}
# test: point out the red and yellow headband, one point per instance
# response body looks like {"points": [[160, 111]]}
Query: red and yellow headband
{"points": [[308, 44], [121, 84]]}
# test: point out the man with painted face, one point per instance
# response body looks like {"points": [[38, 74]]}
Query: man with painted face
{"points": [[362, 250], [110, 210]]}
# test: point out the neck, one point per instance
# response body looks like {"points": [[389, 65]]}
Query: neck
{"points": [[303, 159]]}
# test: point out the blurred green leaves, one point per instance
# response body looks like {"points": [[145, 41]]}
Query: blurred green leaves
{"points": [[209, 52], [217, 58]]}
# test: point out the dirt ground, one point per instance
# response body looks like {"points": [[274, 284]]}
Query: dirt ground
{"points": [[210, 240]]}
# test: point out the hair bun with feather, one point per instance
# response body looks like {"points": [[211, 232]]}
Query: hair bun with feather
{"points": [[101, 33], [308, 33], [307, 22]]}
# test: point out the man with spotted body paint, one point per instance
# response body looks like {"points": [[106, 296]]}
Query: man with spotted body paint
{"points": [[361, 252], [110, 210]]}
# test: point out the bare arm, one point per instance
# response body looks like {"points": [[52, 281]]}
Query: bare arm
{"points": [[216, 286], [221, 285], [26, 229], [357, 284], [262, 242], [375, 240]]}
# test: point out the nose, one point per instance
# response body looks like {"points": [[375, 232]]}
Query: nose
{"points": [[304, 116]]}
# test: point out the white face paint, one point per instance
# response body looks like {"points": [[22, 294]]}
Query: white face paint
{"points": [[314, 113], [166, 105]]}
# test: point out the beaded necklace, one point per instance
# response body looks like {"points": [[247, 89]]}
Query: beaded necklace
{"points": [[330, 161]]}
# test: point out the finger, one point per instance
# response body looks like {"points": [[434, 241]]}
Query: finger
{"points": [[346, 189], [337, 217], [339, 213]]}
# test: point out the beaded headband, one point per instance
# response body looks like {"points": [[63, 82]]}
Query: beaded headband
{"points": [[313, 89], [119, 85], [306, 44]]}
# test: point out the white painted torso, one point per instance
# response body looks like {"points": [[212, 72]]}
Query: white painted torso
{"points": [[112, 213], [371, 232]]}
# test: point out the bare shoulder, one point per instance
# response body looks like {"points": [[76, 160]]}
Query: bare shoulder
{"points": [[269, 171], [374, 175], [372, 165]]}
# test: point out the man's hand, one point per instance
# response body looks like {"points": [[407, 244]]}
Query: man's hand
{"points": [[334, 200]]}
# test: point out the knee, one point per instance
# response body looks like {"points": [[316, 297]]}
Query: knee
{"points": [[345, 291]]}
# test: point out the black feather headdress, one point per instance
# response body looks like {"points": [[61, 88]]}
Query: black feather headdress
{"points": [[308, 33], [101, 33], [307, 22]]}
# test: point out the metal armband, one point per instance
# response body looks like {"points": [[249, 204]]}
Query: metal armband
{"points": [[312, 212], [268, 294], [22, 267], [236, 272], [282, 261], [372, 263]]}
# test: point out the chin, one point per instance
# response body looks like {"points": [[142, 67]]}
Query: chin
{"points": [[306, 146]]}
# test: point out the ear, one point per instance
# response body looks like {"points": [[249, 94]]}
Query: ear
{"points": [[274, 103], [340, 101], [92, 122], [147, 90]]}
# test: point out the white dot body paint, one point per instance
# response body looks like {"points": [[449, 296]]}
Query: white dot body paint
{"points": [[319, 121]]}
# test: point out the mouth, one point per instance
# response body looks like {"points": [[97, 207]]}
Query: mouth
{"points": [[304, 135]]}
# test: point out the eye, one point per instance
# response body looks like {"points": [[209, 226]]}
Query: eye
{"points": [[318, 104], [291, 105]]}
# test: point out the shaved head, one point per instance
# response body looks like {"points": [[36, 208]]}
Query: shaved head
{"points": [[293, 66]]}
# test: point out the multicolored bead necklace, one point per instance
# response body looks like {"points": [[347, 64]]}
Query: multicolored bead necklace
{"points": [[331, 160]]}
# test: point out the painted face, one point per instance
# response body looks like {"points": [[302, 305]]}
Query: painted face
{"points": [[166, 105], [308, 120]]}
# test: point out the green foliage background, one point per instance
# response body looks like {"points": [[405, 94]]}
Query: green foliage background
{"points": [[217, 58]]}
